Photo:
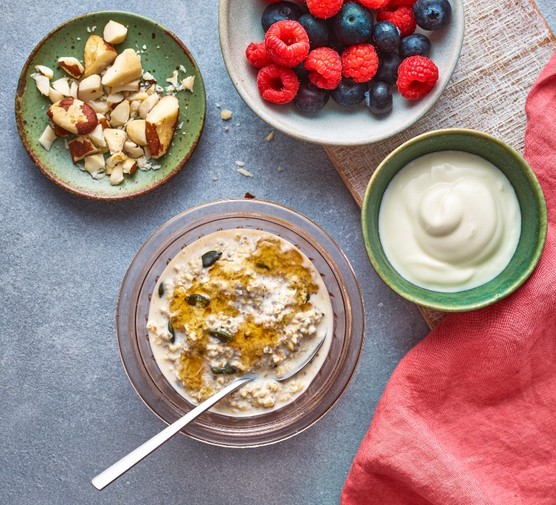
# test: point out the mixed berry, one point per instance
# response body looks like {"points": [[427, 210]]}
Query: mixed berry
{"points": [[351, 51]]}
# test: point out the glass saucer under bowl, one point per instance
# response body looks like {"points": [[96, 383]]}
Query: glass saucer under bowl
{"points": [[339, 278]]}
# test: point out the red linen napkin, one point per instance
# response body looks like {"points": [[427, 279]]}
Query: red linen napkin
{"points": [[469, 415]]}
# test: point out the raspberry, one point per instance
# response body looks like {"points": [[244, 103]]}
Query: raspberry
{"points": [[417, 75], [325, 67], [256, 55], [374, 4], [324, 8], [360, 62], [277, 84], [287, 43], [402, 17], [401, 3]]}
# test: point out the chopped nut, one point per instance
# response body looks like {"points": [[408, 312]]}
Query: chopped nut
{"points": [[72, 66], [244, 172], [47, 72], [98, 54], [94, 163], [130, 86], [55, 96], [136, 131], [133, 150], [173, 80], [43, 84], [188, 83], [90, 88], [129, 166], [126, 68], [97, 136], [226, 114], [73, 115], [147, 105], [115, 139], [100, 107], [62, 86], [47, 138], [120, 114], [117, 175], [114, 98], [114, 32]]}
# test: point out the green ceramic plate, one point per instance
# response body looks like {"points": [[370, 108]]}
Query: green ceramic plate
{"points": [[161, 53], [529, 195]]}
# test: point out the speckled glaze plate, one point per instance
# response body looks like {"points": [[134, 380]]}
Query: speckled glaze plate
{"points": [[338, 366], [161, 53]]}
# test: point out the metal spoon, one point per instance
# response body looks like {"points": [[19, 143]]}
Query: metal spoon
{"points": [[123, 465]]}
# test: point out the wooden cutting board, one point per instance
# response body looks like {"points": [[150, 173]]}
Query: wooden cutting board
{"points": [[506, 45]]}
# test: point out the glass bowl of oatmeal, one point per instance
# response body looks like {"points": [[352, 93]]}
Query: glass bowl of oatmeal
{"points": [[234, 287]]}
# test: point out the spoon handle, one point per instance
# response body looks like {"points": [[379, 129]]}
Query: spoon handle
{"points": [[123, 465]]}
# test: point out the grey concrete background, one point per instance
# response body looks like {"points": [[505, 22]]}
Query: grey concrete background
{"points": [[67, 409]]}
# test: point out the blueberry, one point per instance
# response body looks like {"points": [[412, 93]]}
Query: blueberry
{"points": [[317, 30], [278, 12], [379, 98], [416, 44], [334, 43], [349, 93], [310, 99], [386, 37], [388, 64], [353, 24], [432, 14], [301, 72]]}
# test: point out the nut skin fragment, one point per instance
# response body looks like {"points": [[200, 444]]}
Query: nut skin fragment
{"points": [[81, 147], [73, 115], [98, 54], [59, 131], [71, 66]]}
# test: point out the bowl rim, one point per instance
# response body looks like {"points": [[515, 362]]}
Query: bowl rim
{"points": [[494, 297], [22, 84], [270, 119], [134, 282]]}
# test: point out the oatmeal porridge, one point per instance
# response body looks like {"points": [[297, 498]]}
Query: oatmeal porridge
{"points": [[236, 302]]}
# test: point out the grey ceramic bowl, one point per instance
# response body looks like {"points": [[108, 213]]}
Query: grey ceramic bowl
{"points": [[240, 23], [529, 195]]}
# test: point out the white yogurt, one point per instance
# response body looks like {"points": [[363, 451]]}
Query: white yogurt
{"points": [[449, 221]]}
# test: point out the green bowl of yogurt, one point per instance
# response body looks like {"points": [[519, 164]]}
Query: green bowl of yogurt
{"points": [[454, 220]]}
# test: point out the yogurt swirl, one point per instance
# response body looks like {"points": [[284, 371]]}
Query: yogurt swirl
{"points": [[449, 221]]}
